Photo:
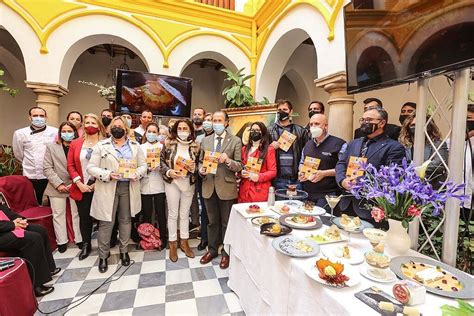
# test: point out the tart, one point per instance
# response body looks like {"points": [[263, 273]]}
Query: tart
{"points": [[253, 209]]}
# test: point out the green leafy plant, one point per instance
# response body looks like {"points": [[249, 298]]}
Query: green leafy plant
{"points": [[463, 309], [8, 163], [238, 94], [5, 87]]}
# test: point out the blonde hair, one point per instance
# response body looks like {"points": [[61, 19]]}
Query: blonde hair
{"points": [[406, 139], [125, 125], [102, 132]]}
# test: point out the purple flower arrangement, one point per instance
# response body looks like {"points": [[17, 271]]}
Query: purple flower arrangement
{"points": [[398, 192]]}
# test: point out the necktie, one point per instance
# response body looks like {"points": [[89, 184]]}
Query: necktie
{"points": [[219, 144], [365, 147]]}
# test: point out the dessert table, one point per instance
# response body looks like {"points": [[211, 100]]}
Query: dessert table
{"points": [[270, 283]]}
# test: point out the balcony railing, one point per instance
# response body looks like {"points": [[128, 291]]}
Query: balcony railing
{"points": [[224, 4]]}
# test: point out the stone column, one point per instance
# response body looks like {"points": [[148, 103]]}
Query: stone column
{"points": [[47, 97], [340, 105]]}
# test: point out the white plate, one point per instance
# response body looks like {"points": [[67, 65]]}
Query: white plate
{"points": [[332, 251], [389, 275], [276, 208], [264, 212], [315, 211], [313, 272]]}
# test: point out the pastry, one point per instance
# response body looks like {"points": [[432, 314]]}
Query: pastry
{"points": [[346, 253], [377, 259], [379, 248], [275, 229], [302, 246], [350, 223], [430, 276], [333, 232], [253, 209], [291, 190]]}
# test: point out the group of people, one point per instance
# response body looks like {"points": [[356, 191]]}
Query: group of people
{"points": [[85, 160]]}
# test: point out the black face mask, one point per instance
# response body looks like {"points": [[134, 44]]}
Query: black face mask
{"points": [[411, 131], [283, 116], [197, 121], [106, 121], [255, 136], [470, 125], [117, 132], [368, 128], [402, 118], [313, 112]]}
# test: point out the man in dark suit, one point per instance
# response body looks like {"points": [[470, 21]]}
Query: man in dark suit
{"points": [[392, 130], [376, 147], [220, 190], [31, 242]]}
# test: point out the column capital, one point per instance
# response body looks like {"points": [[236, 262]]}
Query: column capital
{"points": [[47, 88], [336, 85]]}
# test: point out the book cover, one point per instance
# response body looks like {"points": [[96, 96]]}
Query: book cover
{"points": [[153, 157], [286, 140], [127, 168], [354, 167], [253, 165], [310, 166], [180, 166], [211, 161]]}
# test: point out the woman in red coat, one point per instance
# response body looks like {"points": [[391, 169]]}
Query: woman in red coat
{"points": [[82, 188], [256, 179]]}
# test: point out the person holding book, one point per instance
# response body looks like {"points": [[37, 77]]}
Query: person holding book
{"points": [[219, 186], [376, 148], [82, 188], [117, 164], [318, 161], [152, 185], [258, 158], [288, 139], [178, 167]]}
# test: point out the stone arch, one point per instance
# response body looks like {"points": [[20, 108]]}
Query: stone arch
{"points": [[374, 65]]}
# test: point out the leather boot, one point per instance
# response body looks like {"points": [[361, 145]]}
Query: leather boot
{"points": [[184, 246], [174, 251], [85, 251]]}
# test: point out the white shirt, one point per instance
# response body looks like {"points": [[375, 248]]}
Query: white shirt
{"points": [[140, 130], [29, 148], [84, 163], [216, 140], [152, 183]]}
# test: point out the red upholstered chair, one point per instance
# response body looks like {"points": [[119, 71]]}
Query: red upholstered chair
{"points": [[20, 195]]}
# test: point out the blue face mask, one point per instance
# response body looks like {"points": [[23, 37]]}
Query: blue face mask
{"points": [[151, 137], [38, 121], [67, 136], [218, 128], [207, 126], [161, 138]]}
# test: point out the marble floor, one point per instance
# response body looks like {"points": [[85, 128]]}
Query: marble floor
{"points": [[152, 285]]}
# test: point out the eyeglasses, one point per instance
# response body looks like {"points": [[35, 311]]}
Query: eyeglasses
{"points": [[89, 153], [368, 120]]}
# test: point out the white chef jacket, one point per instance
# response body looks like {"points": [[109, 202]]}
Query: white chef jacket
{"points": [[153, 182], [29, 148]]}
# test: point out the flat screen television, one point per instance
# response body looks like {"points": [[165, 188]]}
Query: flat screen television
{"points": [[394, 42], [162, 95]]}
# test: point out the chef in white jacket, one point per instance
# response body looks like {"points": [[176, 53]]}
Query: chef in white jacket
{"points": [[29, 147]]}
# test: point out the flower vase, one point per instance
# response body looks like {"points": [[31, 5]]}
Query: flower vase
{"points": [[398, 242]]}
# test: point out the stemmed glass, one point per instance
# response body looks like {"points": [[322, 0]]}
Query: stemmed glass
{"points": [[333, 200]]}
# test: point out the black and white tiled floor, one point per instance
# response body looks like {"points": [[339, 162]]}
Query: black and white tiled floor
{"points": [[153, 285]]}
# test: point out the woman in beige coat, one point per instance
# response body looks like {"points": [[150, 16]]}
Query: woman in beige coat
{"points": [[117, 192]]}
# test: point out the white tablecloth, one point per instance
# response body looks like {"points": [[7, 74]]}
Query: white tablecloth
{"points": [[270, 283]]}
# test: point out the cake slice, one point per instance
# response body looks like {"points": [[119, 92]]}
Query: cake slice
{"points": [[428, 275]]}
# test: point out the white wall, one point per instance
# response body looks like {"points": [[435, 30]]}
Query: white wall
{"points": [[207, 87]]}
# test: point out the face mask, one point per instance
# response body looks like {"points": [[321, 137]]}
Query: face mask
{"points": [[313, 112], [117, 132], [402, 118], [316, 131], [129, 122], [183, 135], [368, 128], [218, 128], [207, 125], [106, 121], [411, 131], [67, 136], [197, 121], [255, 136], [283, 116], [470, 125], [161, 138], [151, 137], [91, 130], [38, 121]]}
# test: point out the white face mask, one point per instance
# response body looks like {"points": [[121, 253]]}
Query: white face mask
{"points": [[183, 135], [316, 131]]}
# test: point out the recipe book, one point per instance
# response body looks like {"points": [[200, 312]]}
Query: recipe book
{"points": [[310, 166], [180, 166], [153, 157], [286, 140], [127, 168], [354, 167], [211, 161], [253, 165]]}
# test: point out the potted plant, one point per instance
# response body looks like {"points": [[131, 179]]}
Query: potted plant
{"points": [[8, 163], [238, 94], [400, 193], [4, 86]]}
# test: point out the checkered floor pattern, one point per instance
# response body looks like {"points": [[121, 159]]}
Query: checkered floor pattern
{"points": [[153, 285]]}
